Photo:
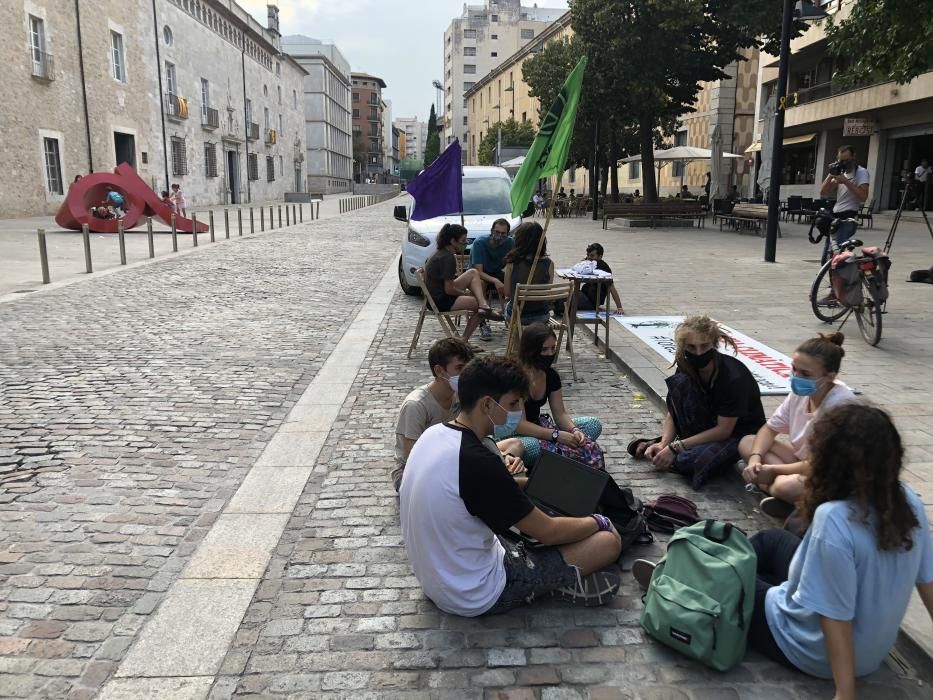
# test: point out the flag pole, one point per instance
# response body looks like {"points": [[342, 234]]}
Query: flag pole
{"points": [[547, 223]]}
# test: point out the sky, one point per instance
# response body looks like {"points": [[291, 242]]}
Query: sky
{"points": [[401, 41]]}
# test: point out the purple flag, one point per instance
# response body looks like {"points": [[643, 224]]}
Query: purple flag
{"points": [[438, 190]]}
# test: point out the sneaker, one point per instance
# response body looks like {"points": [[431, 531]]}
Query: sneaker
{"points": [[593, 590], [642, 569], [485, 332], [775, 507]]}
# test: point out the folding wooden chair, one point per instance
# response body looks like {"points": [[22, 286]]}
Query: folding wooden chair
{"points": [[445, 318], [527, 293]]}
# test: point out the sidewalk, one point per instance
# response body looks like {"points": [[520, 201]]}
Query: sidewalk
{"points": [[20, 269]]}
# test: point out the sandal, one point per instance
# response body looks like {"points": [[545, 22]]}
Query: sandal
{"points": [[490, 315], [633, 446]]}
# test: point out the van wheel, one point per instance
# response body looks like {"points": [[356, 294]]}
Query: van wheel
{"points": [[403, 283]]}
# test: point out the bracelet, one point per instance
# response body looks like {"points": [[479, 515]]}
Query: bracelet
{"points": [[754, 454], [672, 446], [602, 522]]}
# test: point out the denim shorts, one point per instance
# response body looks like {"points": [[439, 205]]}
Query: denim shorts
{"points": [[529, 573]]}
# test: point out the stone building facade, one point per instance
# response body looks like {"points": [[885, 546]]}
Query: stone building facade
{"points": [[368, 109], [195, 92], [328, 126], [475, 44], [415, 136]]}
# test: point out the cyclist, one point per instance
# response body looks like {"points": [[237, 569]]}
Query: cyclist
{"points": [[847, 181]]}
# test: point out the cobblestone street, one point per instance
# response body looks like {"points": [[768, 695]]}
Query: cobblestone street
{"points": [[132, 407]]}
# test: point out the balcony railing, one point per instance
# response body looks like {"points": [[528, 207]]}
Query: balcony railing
{"points": [[43, 65], [210, 118], [270, 137], [824, 90], [176, 107], [252, 131]]}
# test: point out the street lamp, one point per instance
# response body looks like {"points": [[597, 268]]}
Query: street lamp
{"points": [[803, 10]]}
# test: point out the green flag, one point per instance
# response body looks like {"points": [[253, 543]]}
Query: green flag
{"points": [[548, 154]]}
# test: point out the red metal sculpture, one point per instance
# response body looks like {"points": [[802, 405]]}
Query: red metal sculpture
{"points": [[139, 201]]}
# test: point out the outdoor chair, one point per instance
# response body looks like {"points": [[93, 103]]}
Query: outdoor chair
{"points": [[463, 264], [445, 318], [793, 207], [865, 214], [552, 293]]}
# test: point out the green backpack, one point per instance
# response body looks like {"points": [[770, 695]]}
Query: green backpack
{"points": [[702, 594]]}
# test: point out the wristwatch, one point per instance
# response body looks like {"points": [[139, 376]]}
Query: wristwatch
{"points": [[555, 435]]}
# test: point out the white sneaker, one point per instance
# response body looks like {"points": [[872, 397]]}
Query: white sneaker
{"points": [[593, 590], [485, 332]]}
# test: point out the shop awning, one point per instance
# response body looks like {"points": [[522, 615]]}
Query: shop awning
{"points": [[789, 141]]}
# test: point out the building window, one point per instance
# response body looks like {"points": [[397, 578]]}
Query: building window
{"points": [[469, 68], [465, 103], [117, 57], [469, 33], [265, 90], [469, 50], [279, 88], [179, 157], [53, 166], [493, 36], [252, 166], [41, 66], [356, 114], [464, 121], [210, 160], [493, 18], [634, 170], [171, 82], [267, 124], [205, 97], [680, 139], [278, 69], [281, 129], [528, 33], [356, 97], [494, 54], [270, 169], [295, 99], [799, 164], [524, 116], [282, 166], [167, 35]]}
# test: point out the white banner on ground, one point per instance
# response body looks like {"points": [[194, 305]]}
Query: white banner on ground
{"points": [[770, 368]]}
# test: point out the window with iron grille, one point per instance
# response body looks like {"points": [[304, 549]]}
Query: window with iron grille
{"points": [[179, 156], [469, 68], [528, 33], [210, 159], [53, 166], [469, 50], [270, 169], [252, 166]]}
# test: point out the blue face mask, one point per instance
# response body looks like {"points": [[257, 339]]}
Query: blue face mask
{"points": [[803, 386], [512, 420]]}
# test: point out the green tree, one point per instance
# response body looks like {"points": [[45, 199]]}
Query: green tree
{"points": [[513, 134], [360, 152], [651, 56], [883, 40], [432, 148]]}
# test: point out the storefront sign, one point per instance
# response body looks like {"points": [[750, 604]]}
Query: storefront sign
{"points": [[859, 127]]}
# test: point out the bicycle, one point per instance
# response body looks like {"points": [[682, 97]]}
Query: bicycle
{"points": [[838, 290]]}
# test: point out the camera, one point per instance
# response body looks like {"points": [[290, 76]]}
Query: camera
{"points": [[837, 167]]}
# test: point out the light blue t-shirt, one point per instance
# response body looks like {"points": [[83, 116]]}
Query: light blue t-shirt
{"points": [[838, 572], [116, 198], [492, 259]]}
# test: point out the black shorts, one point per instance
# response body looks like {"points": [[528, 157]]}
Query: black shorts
{"points": [[445, 302], [530, 573]]}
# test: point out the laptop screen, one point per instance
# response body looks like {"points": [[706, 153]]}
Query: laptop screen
{"points": [[566, 486]]}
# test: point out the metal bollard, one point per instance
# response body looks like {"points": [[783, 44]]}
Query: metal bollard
{"points": [[239, 221], [262, 219], [43, 257], [280, 216], [288, 220], [121, 238], [210, 219], [149, 236], [318, 210], [294, 215], [174, 235], [271, 219], [86, 235], [252, 227], [194, 229], [301, 213], [226, 224]]}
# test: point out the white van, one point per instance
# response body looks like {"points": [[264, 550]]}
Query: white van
{"points": [[485, 199]]}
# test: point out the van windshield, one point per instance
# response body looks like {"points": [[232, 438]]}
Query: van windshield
{"points": [[486, 196]]}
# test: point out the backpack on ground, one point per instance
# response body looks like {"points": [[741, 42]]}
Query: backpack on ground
{"points": [[669, 513], [702, 594], [624, 509]]}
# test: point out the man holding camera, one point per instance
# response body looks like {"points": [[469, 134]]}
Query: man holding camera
{"points": [[848, 183]]}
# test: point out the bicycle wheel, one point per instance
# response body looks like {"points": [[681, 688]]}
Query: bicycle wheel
{"points": [[868, 313], [823, 300]]}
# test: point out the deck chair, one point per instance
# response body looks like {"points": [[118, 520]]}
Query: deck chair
{"points": [[525, 293], [445, 318]]}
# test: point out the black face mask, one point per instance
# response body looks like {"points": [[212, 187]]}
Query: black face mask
{"points": [[700, 361], [544, 361]]}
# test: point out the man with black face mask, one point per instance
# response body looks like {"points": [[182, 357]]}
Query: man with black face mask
{"points": [[848, 183]]}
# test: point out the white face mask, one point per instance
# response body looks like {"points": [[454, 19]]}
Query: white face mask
{"points": [[454, 382]]}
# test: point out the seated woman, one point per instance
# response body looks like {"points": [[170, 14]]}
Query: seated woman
{"points": [[713, 401], [518, 265], [780, 469], [451, 292], [830, 605], [558, 432]]}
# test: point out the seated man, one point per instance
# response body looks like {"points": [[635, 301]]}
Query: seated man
{"points": [[115, 200], [458, 499], [685, 193], [734, 195], [435, 403], [587, 300], [487, 257]]}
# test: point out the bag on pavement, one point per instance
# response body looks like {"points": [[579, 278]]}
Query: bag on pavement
{"points": [[624, 509], [668, 513], [702, 594], [846, 280]]}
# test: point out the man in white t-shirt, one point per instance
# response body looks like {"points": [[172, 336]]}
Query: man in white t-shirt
{"points": [[850, 188], [458, 500]]}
